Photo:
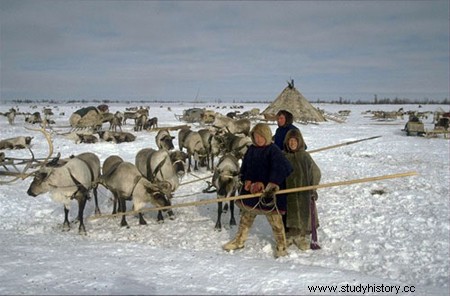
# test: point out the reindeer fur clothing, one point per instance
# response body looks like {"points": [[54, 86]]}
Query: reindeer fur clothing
{"points": [[306, 173], [281, 131], [264, 164]]}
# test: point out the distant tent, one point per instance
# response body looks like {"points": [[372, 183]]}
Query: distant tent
{"points": [[292, 100]]}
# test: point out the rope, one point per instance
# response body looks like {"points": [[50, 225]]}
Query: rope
{"points": [[246, 196], [272, 205]]}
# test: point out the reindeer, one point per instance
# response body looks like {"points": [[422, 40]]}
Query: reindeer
{"points": [[108, 167], [20, 142], [125, 182], [164, 140], [117, 137], [157, 167], [151, 123], [11, 115], [193, 143], [225, 124], [121, 137], [34, 118], [116, 122], [231, 143], [178, 159], [86, 138], [211, 145], [107, 136], [47, 112], [73, 179], [134, 114], [140, 122], [226, 181]]}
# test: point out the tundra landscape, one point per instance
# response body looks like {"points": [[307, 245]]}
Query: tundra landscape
{"points": [[387, 237]]}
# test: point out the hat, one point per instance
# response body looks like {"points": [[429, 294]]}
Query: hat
{"points": [[294, 133], [262, 129], [288, 115]]}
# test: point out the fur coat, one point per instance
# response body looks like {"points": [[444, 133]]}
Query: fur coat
{"points": [[306, 173], [264, 164]]}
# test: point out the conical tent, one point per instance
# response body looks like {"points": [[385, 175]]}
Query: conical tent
{"points": [[292, 100]]}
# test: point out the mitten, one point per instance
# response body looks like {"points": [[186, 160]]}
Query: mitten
{"points": [[272, 187], [247, 185], [256, 187], [268, 197]]}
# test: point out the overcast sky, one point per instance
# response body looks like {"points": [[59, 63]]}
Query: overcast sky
{"points": [[182, 50]]}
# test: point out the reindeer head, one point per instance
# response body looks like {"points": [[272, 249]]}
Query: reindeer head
{"points": [[158, 197], [39, 184], [178, 159], [28, 140]]}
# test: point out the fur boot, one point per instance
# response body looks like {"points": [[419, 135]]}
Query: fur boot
{"points": [[291, 234], [280, 237], [301, 242], [245, 223]]}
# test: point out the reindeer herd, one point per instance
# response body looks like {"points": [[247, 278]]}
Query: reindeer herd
{"points": [[152, 178], [88, 121]]}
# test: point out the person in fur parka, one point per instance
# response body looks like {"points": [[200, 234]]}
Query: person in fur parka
{"points": [[285, 121], [306, 173], [263, 165], [264, 170]]}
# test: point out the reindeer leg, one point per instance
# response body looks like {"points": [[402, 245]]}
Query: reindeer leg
{"points": [[189, 166], [218, 226], [160, 218], [116, 204], [97, 209], [208, 162], [225, 208], [142, 220], [81, 206], [171, 215], [122, 208], [66, 224], [232, 219]]}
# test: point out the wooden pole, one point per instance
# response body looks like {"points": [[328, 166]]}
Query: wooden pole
{"points": [[342, 144], [246, 196], [199, 179], [312, 151], [170, 128]]}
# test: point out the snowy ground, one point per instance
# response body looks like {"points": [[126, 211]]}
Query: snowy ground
{"points": [[380, 242]]}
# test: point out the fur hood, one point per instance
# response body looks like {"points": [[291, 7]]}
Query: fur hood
{"points": [[263, 130], [294, 133], [288, 115]]}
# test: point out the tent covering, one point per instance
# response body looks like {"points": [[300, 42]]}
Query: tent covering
{"points": [[292, 100]]}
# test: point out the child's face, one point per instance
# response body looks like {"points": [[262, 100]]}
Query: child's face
{"points": [[281, 120], [293, 143], [259, 140]]}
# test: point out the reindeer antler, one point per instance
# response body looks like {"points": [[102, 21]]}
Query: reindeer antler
{"points": [[49, 141], [23, 175]]}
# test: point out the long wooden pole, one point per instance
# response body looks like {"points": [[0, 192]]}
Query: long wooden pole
{"points": [[199, 179], [342, 144], [246, 196], [311, 151]]}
